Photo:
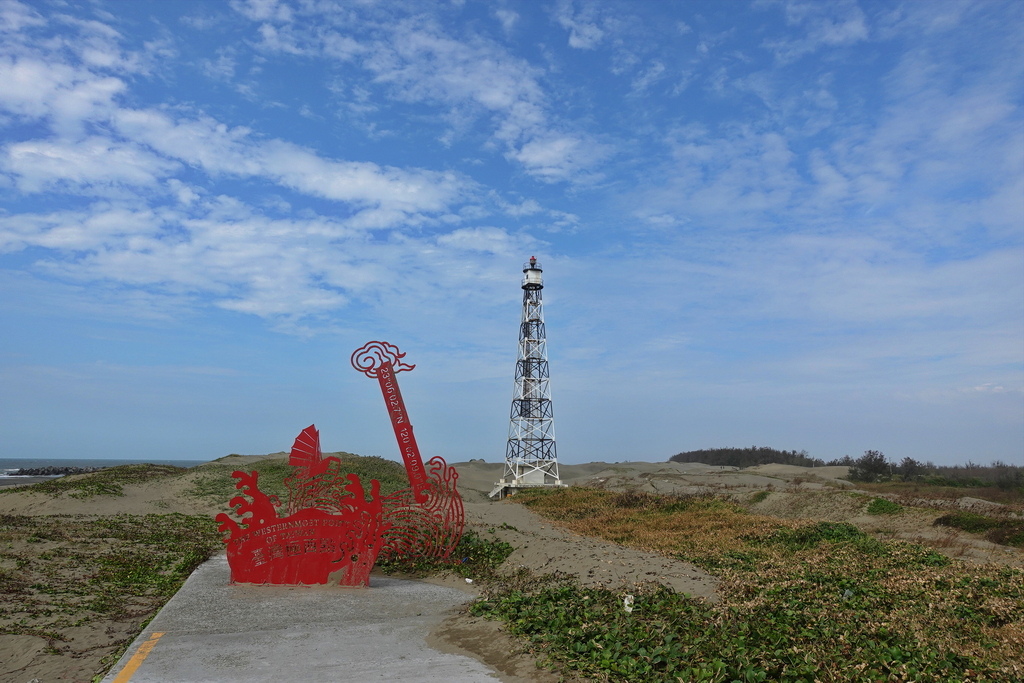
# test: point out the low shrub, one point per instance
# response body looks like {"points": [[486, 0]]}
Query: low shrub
{"points": [[884, 506], [759, 497], [1011, 534], [474, 557], [967, 521], [814, 534], [1005, 531]]}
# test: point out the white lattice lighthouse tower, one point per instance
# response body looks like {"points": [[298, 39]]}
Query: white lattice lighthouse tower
{"points": [[530, 457]]}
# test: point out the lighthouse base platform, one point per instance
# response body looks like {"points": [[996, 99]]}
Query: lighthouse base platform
{"points": [[505, 488]]}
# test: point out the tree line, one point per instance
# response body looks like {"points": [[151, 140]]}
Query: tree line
{"points": [[873, 466], [747, 457]]}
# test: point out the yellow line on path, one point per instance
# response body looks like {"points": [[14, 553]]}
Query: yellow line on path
{"points": [[136, 661]]}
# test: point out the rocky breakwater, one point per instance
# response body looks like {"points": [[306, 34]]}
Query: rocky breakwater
{"points": [[52, 471]]}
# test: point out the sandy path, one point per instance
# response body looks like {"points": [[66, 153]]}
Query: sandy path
{"points": [[544, 548]]}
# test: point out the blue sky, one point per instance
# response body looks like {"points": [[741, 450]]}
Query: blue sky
{"points": [[775, 223]]}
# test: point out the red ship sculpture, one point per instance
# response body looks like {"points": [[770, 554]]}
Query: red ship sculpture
{"points": [[333, 530], [330, 532]]}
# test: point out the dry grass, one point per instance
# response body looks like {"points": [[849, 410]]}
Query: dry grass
{"points": [[1013, 499], [640, 520]]}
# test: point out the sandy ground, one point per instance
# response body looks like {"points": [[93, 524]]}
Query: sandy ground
{"points": [[793, 492]]}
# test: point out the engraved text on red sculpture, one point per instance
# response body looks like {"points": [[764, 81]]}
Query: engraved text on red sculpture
{"points": [[427, 519], [331, 531]]}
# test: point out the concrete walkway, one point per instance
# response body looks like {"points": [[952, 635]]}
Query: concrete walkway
{"points": [[213, 631]]}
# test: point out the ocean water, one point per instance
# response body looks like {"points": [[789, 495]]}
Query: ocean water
{"points": [[10, 465]]}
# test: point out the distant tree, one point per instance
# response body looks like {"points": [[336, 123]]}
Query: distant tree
{"points": [[872, 466], [845, 461], [909, 469], [1008, 476]]}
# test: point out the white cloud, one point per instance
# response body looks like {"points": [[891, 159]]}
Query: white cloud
{"points": [[555, 157], [933, 158], [832, 186], [282, 39], [425, 65], [202, 142], [525, 208], [286, 270], [584, 32], [359, 182], [472, 78], [223, 67], [867, 280], [16, 16], [94, 161], [75, 231], [508, 19], [740, 172], [651, 75], [824, 25], [248, 262], [487, 239], [97, 45], [804, 111], [68, 97], [217, 149], [263, 10], [937, 153], [341, 47], [185, 194], [991, 388]]}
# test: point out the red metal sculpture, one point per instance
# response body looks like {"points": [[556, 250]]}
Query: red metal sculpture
{"points": [[427, 519], [382, 361], [332, 530]]}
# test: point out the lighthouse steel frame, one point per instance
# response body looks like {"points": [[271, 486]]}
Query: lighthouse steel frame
{"points": [[530, 456]]}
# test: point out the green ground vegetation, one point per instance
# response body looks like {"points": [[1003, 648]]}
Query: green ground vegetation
{"points": [[213, 481], [799, 601], [476, 557], [759, 496], [58, 572], [1004, 530], [883, 506], [106, 482]]}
